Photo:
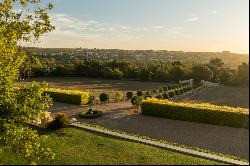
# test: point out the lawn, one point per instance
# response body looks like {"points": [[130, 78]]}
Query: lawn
{"points": [[75, 146], [218, 95], [97, 86]]}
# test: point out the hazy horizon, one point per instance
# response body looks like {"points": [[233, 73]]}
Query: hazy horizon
{"points": [[178, 25]]}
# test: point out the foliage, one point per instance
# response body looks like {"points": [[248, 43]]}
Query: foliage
{"points": [[139, 93], [165, 96], [21, 106], [130, 95], [118, 96], [68, 96], [70, 144], [242, 76], [203, 113], [201, 72], [159, 96], [136, 101], [91, 100], [171, 94], [104, 97], [91, 114], [61, 121]]}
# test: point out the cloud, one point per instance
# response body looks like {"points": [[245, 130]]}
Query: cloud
{"points": [[157, 27], [192, 19], [214, 12]]}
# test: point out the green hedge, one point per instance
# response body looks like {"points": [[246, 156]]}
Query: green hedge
{"points": [[68, 96], [203, 113]]}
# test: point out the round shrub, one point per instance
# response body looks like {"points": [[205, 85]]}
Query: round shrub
{"points": [[136, 101], [118, 96], [181, 91], [165, 96], [91, 100], [171, 94], [139, 93], [159, 97], [160, 89], [130, 95], [165, 88], [147, 93], [61, 121], [104, 97], [177, 92], [155, 91]]}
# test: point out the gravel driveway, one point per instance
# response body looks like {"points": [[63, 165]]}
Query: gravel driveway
{"points": [[123, 116]]}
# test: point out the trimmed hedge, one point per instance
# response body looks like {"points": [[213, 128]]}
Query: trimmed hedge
{"points": [[203, 113], [68, 96]]}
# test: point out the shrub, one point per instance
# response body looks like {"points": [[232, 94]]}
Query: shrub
{"points": [[160, 90], [147, 93], [136, 101], [118, 96], [203, 113], [104, 97], [165, 88], [155, 91], [181, 91], [91, 114], [165, 96], [159, 97], [130, 95], [139, 93], [147, 96], [171, 94], [177, 92], [91, 100], [61, 121], [68, 96]]}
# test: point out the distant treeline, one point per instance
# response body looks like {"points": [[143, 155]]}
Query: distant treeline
{"points": [[68, 55], [214, 71]]}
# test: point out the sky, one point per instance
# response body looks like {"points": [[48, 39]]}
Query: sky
{"points": [[178, 25]]}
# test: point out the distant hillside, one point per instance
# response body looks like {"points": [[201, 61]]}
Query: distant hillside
{"points": [[231, 60]]}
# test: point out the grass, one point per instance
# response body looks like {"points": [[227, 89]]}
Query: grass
{"points": [[220, 95], [75, 146]]}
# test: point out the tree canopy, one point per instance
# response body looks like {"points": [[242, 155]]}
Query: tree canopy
{"points": [[20, 106]]}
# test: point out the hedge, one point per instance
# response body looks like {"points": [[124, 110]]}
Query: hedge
{"points": [[68, 96], [203, 113]]}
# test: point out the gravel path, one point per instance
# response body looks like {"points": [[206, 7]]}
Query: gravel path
{"points": [[123, 116]]}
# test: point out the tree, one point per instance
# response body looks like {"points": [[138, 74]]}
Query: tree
{"points": [[216, 65], [117, 73], [19, 106], [226, 76], [242, 76], [201, 72], [216, 62]]}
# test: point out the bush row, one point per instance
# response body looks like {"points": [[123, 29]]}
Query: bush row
{"points": [[68, 96], [203, 113]]}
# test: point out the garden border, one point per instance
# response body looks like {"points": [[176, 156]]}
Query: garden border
{"points": [[162, 145]]}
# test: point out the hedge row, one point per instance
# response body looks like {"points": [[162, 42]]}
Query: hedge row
{"points": [[68, 96], [203, 113]]}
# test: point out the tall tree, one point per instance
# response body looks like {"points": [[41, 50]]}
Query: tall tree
{"points": [[21, 106]]}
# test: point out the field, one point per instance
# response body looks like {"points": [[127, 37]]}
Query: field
{"points": [[74, 146], [218, 95], [97, 86]]}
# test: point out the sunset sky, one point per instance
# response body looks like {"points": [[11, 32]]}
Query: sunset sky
{"points": [[187, 25]]}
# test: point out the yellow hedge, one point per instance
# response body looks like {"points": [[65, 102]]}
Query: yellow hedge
{"points": [[68, 96], [203, 113]]}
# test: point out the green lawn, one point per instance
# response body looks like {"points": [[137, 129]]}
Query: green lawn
{"points": [[75, 146]]}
